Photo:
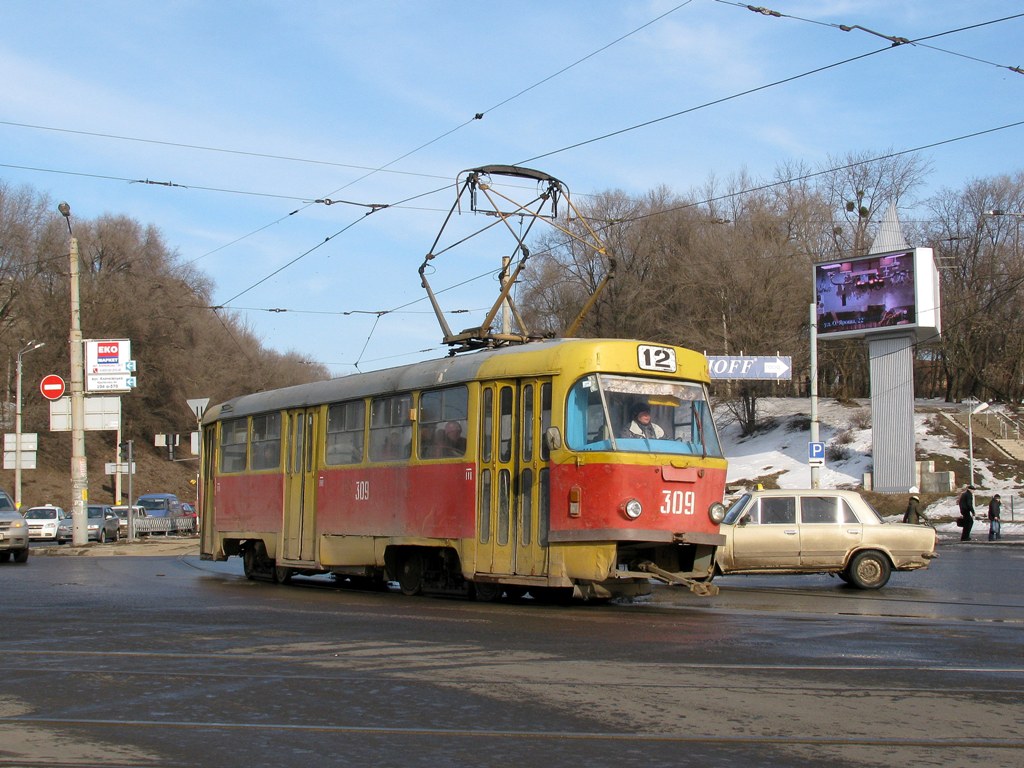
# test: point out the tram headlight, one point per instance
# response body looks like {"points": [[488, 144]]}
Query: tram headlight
{"points": [[632, 509], [717, 512]]}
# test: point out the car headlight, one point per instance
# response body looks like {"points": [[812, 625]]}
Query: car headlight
{"points": [[717, 512], [19, 524], [632, 509]]}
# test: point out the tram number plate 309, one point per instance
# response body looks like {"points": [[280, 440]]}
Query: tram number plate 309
{"points": [[655, 358]]}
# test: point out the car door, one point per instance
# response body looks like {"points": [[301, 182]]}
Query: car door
{"points": [[828, 530], [769, 539]]}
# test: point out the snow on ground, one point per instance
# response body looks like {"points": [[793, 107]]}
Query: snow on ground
{"points": [[782, 449]]}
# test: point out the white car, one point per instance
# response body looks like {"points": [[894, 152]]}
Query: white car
{"points": [[819, 531], [48, 523]]}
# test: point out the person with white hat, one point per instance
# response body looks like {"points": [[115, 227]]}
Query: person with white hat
{"points": [[913, 514]]}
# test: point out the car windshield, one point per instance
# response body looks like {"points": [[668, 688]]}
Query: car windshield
{"points": [[153, 503], [605, 412], [735, 510], [95, 511], [41, 514]]}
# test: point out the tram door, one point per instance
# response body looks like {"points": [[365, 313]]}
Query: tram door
{"points": [[512, 477], [207, 497], [299, 527]]}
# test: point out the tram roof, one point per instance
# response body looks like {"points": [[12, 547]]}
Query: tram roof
{"points": [[539, 357]]}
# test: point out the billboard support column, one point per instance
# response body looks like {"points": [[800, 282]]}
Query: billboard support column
{"points": [[892, 412]]}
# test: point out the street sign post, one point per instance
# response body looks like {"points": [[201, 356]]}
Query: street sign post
{"points": [[52, 387]]}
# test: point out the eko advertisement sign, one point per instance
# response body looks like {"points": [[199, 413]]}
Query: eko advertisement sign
{"points": [[108, 365]]}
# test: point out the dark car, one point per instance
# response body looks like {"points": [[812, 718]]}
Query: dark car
{"points": [[102, 524]]}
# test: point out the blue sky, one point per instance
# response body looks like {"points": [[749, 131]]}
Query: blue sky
{"points": [[256, 108]]}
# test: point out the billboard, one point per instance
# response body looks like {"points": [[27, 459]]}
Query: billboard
{"points": [[881, 293]]}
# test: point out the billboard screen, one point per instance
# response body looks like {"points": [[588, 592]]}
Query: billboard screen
{"points": [[879, 293]]}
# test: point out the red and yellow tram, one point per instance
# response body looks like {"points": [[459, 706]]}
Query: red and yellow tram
{"points": [[507, 470]]}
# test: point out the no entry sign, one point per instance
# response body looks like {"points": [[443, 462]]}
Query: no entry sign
{"points": [[52, 387]]}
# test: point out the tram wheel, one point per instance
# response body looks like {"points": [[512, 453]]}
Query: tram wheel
{"points": [[250, 563], [282, 574], [410, 575], [486, 592]]}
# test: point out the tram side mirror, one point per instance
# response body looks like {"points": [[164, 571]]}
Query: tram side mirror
{"points": [[552, 439]]}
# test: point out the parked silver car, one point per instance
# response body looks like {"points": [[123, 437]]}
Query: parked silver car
{"points": [[102, 524], [819, 531], [13, 532], [122, 516]]}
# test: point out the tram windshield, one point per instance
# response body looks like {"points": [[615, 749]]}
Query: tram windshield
{"points": [[606, 412]]}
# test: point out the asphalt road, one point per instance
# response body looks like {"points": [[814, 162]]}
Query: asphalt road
{"points": [[171, 661]]}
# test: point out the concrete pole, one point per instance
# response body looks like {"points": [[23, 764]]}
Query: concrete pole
{"points": [[79, 467]]}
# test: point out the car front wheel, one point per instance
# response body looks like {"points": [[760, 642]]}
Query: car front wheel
{"points": [[869, 570]]}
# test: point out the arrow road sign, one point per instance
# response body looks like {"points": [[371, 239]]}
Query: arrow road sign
{"points": [[52, 387], [774, 368]]}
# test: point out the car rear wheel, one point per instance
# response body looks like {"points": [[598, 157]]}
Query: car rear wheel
{"points": [[869, 570]]}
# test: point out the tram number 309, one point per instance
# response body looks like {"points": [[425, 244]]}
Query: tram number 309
{"points": [[362, 490], [677, 502]]}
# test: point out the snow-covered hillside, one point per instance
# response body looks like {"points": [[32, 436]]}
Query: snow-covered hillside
{"points": [[782, 450]]}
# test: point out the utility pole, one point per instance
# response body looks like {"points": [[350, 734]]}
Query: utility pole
{"points": [[79, 468], [815, 470]]}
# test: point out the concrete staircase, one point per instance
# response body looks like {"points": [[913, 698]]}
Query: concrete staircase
{"points": [[1003, 432]]}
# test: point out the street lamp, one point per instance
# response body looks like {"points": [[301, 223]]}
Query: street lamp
{"points": [[970, 435], [1018, 217], [17, 425]]}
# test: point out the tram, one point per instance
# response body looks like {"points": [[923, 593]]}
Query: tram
{"points": [[500, 471]]}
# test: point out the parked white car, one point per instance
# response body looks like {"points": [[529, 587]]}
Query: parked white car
{"points": [[819, 531], [48, 523]]}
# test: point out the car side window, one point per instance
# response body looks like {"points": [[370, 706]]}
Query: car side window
{"points": [[778, 510], [846, 513], [820, 509]]}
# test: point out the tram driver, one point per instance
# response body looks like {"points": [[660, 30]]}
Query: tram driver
{"points": [[640, 424]]}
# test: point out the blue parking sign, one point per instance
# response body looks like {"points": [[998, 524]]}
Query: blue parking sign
{"points": [[816, 454]]}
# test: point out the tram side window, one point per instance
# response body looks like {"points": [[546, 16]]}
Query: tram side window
{"points": [[505, 424], [345, 422], [545, 418], [234, 436], [266, 441], [390, 428], [585, 425], [442, 423]]}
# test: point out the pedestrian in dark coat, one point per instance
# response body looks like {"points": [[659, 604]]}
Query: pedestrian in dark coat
{"points": [[966, 503], [995, 507], [913, 514]]}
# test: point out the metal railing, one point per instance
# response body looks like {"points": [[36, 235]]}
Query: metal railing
{"points": [[164, 525]]}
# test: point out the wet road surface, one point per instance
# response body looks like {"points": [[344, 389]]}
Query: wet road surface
{"points": [[171, 661]]}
